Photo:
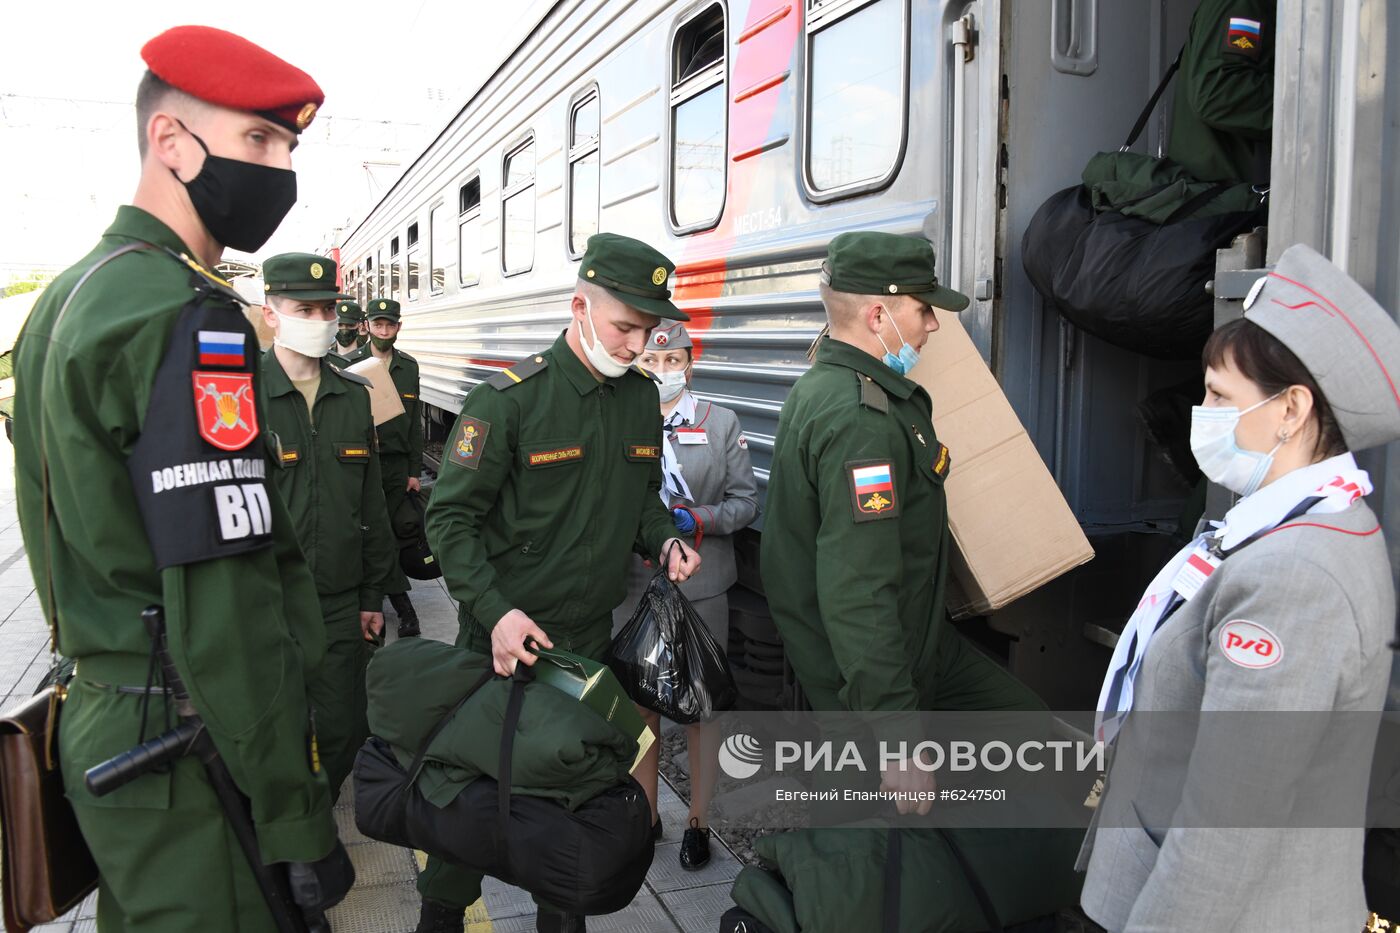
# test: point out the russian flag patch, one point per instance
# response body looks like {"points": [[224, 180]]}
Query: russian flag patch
{"points": [[222, 348], [872, 490], [1244, 36]]}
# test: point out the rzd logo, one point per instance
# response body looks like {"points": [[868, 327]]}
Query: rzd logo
{"points": [[1250, 644]]}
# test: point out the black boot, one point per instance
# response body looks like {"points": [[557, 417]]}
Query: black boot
{"points": [[408, 618], [437, 917], [695, 846], [549, 921]]}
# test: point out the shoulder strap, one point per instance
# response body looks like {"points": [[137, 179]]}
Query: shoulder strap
{"points": [[894, 864], [418, 759], [518, 373], [984, 900], [522, 676], [1146, 114], [1298, 510]]}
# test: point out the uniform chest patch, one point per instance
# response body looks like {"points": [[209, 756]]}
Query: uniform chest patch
{"points": [[1250, 644], [872, 490], [643, 452], [1244, 37], [225, 410], [557, 455], [942, 461], [470, 442]]}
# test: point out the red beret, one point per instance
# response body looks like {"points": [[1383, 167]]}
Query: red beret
{"points": [[228, 70]]}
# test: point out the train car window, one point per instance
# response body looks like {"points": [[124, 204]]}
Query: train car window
{"points": [[856, 107], [518, 209], [439, 230], [382, 278], [413, 270], [583, 172], [699, 121], [369, 293], [469, 231]]}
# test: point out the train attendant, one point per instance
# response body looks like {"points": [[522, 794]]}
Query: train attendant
{"points": [[1286, 606], [710, 489]]}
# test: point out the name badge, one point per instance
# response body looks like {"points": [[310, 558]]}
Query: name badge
{"points": [[1195, 572], [687, 436]]}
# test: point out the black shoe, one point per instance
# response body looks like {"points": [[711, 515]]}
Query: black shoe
{"points": [[408, 618], [656, 830], [437, 917], [695, 846], [547, 921]]}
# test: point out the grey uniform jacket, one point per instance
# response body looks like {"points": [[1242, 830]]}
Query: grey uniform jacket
{"points": [[721, 480], [1161, 854]]}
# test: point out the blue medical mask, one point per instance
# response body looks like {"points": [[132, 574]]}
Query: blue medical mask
{"points": [[1220, 457], [908, 357]]}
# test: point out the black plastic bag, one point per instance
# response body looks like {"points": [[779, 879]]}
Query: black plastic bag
{"points": [[667, 660]]}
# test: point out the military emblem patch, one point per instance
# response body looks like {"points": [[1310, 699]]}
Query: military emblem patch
{"points": [[942, 461], [470, 442], [659, 276], [224, 409], [1244, 37], [872, 490]]}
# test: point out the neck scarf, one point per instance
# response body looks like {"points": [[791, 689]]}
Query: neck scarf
{"points": [[673, 485]]}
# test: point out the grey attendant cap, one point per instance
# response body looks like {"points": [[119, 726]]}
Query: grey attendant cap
{"points": [[1348, 342], [669, 336]]}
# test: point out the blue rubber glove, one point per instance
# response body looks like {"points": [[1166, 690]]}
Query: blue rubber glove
{"points": [[685, 522]]}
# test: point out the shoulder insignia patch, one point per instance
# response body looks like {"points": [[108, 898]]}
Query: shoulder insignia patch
{"points": [[518, 373], [225, 410], [1249, 644], [470, 442], [942, 461], [871, 395], [1244, 37], [872, 490], [348, 376]]}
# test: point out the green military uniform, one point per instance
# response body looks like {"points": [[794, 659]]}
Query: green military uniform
{"points": [[855, 542], [348, 316], [327, 472], [241, 618], [401, 438], [1223, 114], [549, 480]]}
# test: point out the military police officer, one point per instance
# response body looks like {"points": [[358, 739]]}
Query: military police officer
{"points": [[856, 544], [550, 477], [400, 439], [347, 330], [326, 469], [141, 476]]}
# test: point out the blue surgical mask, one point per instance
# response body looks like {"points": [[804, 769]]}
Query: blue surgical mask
{"points": [[1220, 457], [908, 357]]}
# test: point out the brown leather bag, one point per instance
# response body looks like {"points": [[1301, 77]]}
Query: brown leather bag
{"points": [[47, 869]]}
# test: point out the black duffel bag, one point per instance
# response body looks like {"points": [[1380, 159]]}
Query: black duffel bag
{"points": [[591, 860], [410, 527], [1133, 272]]}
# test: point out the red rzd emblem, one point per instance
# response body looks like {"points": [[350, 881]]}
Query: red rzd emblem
{"points": [[224, 408]]}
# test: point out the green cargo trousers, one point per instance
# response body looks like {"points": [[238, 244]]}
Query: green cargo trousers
{"points": [[393, 471], [453, 884], [337, 689]]}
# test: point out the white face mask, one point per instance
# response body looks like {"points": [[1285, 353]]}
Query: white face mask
{"points": [[1218, 454], [672, 384], [600, 358], [304, 335]]}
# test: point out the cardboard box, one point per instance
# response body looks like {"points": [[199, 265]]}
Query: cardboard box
{"points": [[594, 685], [384, 401], [1013, 530]]}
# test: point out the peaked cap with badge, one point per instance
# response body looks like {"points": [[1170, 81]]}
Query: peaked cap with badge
{"points": [[867, 262], [632, 272], [349, 312], [386, 308], [1348, 342], [221, 68], [669, 337], [301, 275]]}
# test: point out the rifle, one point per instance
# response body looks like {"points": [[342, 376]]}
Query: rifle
{"points": [[286, 892]]}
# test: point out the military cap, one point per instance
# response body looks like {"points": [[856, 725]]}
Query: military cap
{"points": [[383, 307], [1347, 341], [632, 272], [871, 263], [669, 337], [301, 275], [224, 69], [349, 312]]}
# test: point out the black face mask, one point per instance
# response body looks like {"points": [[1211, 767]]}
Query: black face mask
{"points": [[241, 203], [346, 336]]}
